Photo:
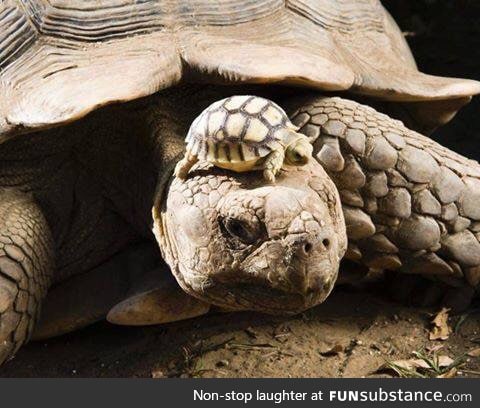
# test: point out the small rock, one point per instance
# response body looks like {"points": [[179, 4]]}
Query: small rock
{"points": [[370, 205], [382, 262], [353, 252], [251, 332], [222, 363]]}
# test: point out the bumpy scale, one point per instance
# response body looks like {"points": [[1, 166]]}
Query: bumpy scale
{"points": [[409, 203], [244, 133]]}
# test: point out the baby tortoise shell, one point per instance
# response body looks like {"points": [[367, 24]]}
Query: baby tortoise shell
{"points": [[244, 133]]}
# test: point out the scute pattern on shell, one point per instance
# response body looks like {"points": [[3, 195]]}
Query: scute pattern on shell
{"points": [[116, 50], [238, 128], [409, 203]]}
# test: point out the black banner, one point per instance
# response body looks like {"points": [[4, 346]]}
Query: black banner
{"points": [[250, 393]]}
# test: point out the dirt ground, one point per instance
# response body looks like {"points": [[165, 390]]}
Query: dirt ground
{"points": [[353, 334]]}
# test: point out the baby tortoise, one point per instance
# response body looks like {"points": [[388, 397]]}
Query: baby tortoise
{"points": [[244, 133]]}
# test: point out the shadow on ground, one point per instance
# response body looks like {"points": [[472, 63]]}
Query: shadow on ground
{"points": [[351, 335]]}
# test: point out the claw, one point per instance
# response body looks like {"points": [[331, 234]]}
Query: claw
{"points": [[269, 175]]}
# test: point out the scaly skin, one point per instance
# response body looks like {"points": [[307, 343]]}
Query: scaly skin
{"points": [[230, 239], [84, 192], [26, 268], [410, 204]]}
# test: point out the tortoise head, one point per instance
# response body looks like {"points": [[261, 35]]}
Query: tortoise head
{"points": [[236, 242], [299, 151]]}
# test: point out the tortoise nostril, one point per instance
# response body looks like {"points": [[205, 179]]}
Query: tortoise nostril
{"points": [[326, 243], [307, 247]]}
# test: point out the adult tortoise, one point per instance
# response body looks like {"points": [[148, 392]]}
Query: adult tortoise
{"points": [[76, 200]]}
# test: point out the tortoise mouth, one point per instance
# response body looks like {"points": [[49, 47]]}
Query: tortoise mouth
{"points": [[260, 297]]}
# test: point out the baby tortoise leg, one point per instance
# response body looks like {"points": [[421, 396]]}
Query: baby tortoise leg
{"points": [[410, 205], [184, 165], [26, 268], [272, 164]]}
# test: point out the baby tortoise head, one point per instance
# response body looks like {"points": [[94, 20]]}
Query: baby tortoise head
{"points": [[299, 151], [244, 133], [235, 241]]}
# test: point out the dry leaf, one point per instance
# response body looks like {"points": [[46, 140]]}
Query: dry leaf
{"points": [[411, 364], [419, 365], [443, 361], [440, 330], [449, 374], [474, 352], [434, 347]]}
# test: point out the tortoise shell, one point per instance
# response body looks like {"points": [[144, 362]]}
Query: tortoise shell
{"points": [[238, 129], [60, 59]]}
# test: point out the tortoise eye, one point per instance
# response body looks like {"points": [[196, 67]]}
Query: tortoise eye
{"points": [[297, 157], [238, 230]]}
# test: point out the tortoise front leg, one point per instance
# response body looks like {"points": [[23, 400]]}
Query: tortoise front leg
{"points": [[273, 164], [410, 205], [183, 166], [26, 268]]}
